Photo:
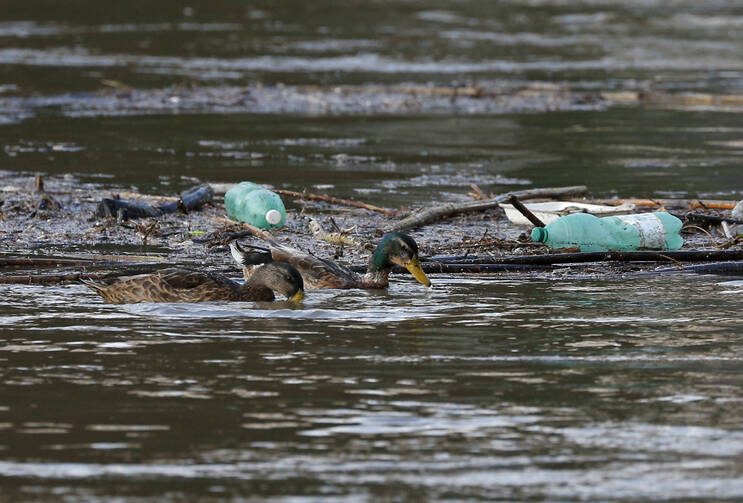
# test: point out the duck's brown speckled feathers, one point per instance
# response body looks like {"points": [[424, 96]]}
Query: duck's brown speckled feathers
{"points": [[319, 273], [180, 285]]}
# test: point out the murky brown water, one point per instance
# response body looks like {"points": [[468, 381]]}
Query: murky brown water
{"points": [[479, 389], [483, 388]]}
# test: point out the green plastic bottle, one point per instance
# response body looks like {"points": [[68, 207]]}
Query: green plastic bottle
{"points": [[251, 203], [644, 231]]}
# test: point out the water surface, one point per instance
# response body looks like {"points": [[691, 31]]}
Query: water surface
{"points": [[483, 388]]}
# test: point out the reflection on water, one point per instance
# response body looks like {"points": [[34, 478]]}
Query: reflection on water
{"points": [[570, 389], [395, 161], [590, 44]]}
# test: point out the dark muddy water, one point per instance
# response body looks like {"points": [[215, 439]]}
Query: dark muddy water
{"points": [[482, 388], [479, 389]]}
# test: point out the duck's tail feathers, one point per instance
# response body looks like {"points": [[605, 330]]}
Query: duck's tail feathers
{"points": [[253, 255]]}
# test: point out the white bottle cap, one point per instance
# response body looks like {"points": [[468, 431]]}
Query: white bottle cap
{"points": [[273, 217]]}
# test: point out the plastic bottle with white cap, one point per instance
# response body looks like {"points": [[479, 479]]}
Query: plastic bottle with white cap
{"points": [[256, 205], [644, 231]]}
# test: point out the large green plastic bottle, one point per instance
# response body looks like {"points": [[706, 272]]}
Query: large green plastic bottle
{"points": [[644, 231], [251, 203]]}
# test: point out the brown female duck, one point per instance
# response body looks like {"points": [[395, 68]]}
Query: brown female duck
{"points": [[394, 249], [179, 285]]}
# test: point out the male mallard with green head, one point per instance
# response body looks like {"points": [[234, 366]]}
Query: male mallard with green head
{"points": [[394, 249], [180, 285]]}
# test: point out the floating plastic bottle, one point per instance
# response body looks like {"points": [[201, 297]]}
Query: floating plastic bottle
{"points": [[251, 203], [644, 231]]}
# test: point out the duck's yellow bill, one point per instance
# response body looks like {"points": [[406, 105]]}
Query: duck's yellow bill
{"points": [[297, 296], [414, 268]]}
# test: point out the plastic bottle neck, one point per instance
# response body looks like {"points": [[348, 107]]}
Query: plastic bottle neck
{"points": [[539, 234]]}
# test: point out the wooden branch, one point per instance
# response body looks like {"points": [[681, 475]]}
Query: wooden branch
{"points": [[265, 235], [447, 210], [715, 268], [434, 267], [44, 262], [531, 217], [45, 279], [673, 203], [46, 202], [725, 267], [609, 256], [431, 267], [471, 91], [93, 259], [334, 200], [221, 238], [701, 218]]}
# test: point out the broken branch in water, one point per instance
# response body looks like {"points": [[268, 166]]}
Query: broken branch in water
{"points": [[660, 203], [90, 260], [38, 279], [429, 215], [47, 202], [451, 268], [531, 217], [735, 267], [477, 194], [470, 91], [265, 235], [47, 279], [701, 218], [334, 200], [44, 262], [221, 237], [608, 256], [545, 262]]}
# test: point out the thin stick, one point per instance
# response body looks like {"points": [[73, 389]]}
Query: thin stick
{"points": [[334, 200], [447, 210], [92, 259], [677, 262], [434, 267], [222, 238], [704, 231], [43, 262], [253, 229], [716, 268], [472, 92], [531, 217], [655, 203], [42, 279], [701, 218], [609, 256], [46, 279]]}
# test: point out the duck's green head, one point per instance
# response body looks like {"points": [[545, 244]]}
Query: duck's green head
{"points": [[398, 249]]}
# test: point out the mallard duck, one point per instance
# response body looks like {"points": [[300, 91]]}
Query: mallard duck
{"points": [[180, 285], [394, 249]]}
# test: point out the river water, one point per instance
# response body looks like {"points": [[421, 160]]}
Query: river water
{"points": [[481, 388]]}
